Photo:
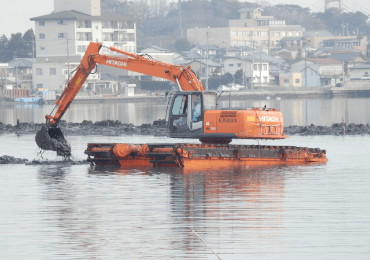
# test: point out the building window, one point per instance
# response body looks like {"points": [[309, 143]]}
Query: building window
{"points": [[42, 36], [81, 48], [53, 71], [62, 35], [264, 79], [255, 67], [272, 34], [296, 80], [39, 72], [231, 65], [239, 65], [96, 27], [62, 22], [297, 34], [42, 48], [40, 85], [41, 23], [264, 67], [286, 80], [283, 34], [233, 33], [277, 34]]}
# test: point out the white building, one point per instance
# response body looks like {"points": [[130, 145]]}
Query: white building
{"points": [[63, 36], [252, 70]]}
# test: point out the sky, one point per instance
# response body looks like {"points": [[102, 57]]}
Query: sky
{"points": [[15, 14]]}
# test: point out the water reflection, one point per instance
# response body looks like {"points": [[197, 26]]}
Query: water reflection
{"points": [[226, 204]]}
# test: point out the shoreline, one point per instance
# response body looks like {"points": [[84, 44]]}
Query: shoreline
{"points": [[159, 128]]}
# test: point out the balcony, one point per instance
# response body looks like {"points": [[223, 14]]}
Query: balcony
{"points": [[84, 39], [115, 39]]}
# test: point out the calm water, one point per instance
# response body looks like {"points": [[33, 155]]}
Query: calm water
{"points": [[295, 111], [286, 212]]}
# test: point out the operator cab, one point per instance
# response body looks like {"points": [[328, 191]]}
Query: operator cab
{"points": [[187, 112]]}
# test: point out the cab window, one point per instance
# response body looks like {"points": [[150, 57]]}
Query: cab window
{"points": [[180, 105]]}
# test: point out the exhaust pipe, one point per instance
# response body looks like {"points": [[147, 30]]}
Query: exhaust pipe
{"points": [[52, 138]]}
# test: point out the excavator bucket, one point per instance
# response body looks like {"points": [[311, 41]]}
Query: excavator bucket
{"points": [[52, 138]]}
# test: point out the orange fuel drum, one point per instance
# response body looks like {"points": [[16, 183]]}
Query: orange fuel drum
{"points": [[198, 156]]}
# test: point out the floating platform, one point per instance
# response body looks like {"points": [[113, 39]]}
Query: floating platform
{"points": [[199, 155]]}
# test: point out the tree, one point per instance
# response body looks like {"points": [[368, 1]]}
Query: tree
{"points": [[5, 54], [18, 45], [239, 77], [182, 45]]}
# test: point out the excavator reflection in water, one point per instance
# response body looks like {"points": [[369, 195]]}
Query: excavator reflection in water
{"points": [[192, 113]]}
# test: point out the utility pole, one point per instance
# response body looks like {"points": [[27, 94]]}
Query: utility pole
{"points": [[180, 22], [252, 65], [305, 68], [33, 48], [242, 58], [207, 65], [68, 57], [261, 66], [343, 75], [16, 71]]}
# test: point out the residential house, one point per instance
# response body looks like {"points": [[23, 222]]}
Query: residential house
{"points": [[154, 49], [254, 69], [360, 71], [251, 29], [287, 53], [311, 72], [62, 38], [316, 39], [290, 79], [213, 50], [349, 59], [331, 70], [18, 71], [199, 67]]}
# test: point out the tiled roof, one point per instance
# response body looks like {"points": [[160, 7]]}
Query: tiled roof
{"points": [[351, 56], [325, 60], [22, 63], [361, 66], [74, 15], [322, 33], [210, 63]]}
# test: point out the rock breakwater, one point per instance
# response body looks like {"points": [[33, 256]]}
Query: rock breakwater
{"points": [[159, 128], [106, 127], [335, 129]]}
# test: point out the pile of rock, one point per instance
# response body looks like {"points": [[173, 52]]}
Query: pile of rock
{"points": [[159, 128], [106, 127], [335, 129], [5, 159]]}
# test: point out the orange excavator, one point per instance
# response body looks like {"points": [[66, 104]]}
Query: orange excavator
{"points": [[192, 113]]}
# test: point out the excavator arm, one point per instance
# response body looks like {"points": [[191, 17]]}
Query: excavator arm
{"points": [[50, 137], [184, 77]]}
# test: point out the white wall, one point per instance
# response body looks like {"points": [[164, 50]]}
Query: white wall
{"points": [[52, 45], [90, 7]]}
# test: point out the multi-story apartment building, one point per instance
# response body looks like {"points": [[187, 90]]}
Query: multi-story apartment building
{"points": [[63, 36], [252, 29]]}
